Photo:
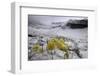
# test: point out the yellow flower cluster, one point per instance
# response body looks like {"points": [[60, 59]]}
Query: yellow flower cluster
{"points": [[37, 48], [56, 43]]}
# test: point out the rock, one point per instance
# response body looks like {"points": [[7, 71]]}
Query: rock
{"points": [[73, 55], [78, 23]]}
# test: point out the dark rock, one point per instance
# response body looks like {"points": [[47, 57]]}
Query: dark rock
{"points": [[78, 23]]}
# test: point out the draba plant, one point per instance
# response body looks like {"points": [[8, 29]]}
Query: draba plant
{"points": [[63, 47], [37, 48], [56, 43], [51, 45]]}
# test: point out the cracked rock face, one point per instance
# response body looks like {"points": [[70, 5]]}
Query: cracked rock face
{"points": [[58, 54]]}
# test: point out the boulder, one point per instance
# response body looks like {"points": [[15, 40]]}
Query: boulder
{"points": [[74, 24]]}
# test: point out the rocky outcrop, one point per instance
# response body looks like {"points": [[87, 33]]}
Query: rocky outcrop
{"points": [[77, 23]]}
